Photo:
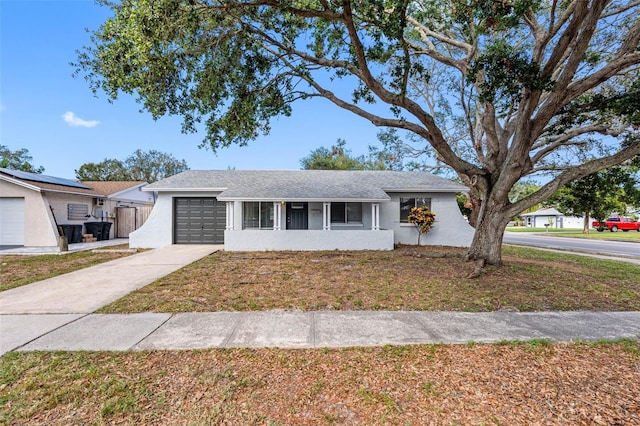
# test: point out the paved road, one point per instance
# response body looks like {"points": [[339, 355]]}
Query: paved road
{"points": [[611, 248]]}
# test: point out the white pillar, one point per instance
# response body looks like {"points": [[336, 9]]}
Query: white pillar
{"points": [[326, 216], [230, 216], [277, 216], [375, 217]]}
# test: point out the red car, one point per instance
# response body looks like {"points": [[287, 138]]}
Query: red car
{"points": [[614, 223]]}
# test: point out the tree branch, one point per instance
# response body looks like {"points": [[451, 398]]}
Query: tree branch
{"points": [[575, 172]]}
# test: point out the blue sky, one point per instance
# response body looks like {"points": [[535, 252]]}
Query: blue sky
{"points": [[58, 119]]}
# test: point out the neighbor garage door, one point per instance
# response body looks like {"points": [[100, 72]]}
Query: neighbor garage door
{"points": [[198, 221], [11, 221]]}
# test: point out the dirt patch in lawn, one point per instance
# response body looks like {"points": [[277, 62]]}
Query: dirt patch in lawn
{"points": [[510, 383], [408, 278]]}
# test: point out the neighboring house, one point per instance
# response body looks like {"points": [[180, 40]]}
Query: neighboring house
{"points": [[34, 206], [125, 204], [553, 218], [301, 210]]}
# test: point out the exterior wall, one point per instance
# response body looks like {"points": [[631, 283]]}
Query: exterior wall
{"points": [[571, 222], [315, 216], [264, 240], [567, 222], [157, 231], [136, 195], [39, 228], [59, 203], [450, 228]]}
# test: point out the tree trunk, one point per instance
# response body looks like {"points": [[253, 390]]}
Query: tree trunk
{"points": [[585, 225], [486, 247]]}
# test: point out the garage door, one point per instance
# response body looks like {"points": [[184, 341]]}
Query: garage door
{"points": [[11, 221], [199, 221]]}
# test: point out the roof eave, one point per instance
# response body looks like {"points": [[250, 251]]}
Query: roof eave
{"points": [[117, 194], [60, 191], [306, 200], [424, 189], [20, 183], [146, 188]]}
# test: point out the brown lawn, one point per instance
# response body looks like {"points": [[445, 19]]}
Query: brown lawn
{"points": [[409, 278], [501, 384]]}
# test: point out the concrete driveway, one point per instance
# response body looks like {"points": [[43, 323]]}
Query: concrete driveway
{"points": [[84, 291]]}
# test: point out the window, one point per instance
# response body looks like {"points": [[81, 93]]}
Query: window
{"points": [[257, 215], [77, 211], [406, 204], [346, 212]]}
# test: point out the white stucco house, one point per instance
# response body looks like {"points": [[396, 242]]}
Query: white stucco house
{"points": [[35, 208], [300, 210], [552, 217]]}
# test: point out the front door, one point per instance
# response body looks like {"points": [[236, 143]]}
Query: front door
{"points": [[297, 216]]}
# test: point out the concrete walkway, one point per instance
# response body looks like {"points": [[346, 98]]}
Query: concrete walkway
{"points": [[85, 290], [287, 329], [57, 314]]}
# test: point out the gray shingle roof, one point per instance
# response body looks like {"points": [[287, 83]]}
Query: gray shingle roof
{"points": [[304, 185]]}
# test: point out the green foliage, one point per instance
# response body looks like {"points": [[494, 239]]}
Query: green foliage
{"points": [[521, 190], [492, 15], [423, 218], [334, 158], [464, 204], [147, 166], [502, 73], [107, 170], [18, 160], [599, 194], [339, 158]]}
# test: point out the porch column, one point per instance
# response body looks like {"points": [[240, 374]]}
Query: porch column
{"points": [[375, 216], [326, 216], [277, 216], [230, 215]]}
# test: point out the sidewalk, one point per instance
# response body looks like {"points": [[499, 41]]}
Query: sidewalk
{"points": [[57, 314], [286, 329]]}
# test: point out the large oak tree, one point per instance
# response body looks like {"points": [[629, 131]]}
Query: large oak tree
{"points": [[538, 86]]}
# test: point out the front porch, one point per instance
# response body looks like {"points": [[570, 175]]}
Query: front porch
{"points": [[301, 225]]}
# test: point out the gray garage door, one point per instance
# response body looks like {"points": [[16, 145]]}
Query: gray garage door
{"points": [[11, 221], [199, 221]]}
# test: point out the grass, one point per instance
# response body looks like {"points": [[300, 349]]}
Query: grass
{"points": [[408, 278], [631, 236], [510, 382], [16, 271], [506, 383]]}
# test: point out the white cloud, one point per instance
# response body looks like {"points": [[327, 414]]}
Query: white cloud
{"points": [[74, 121]]}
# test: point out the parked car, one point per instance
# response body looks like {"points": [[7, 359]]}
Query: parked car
{"points": [[617, 222]]}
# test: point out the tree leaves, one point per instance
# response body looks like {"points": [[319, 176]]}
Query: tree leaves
{"points": [[19, 159], [147, 166]]}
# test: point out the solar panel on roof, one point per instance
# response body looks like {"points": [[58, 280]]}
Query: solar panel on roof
{"points": [[34, 177]]}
